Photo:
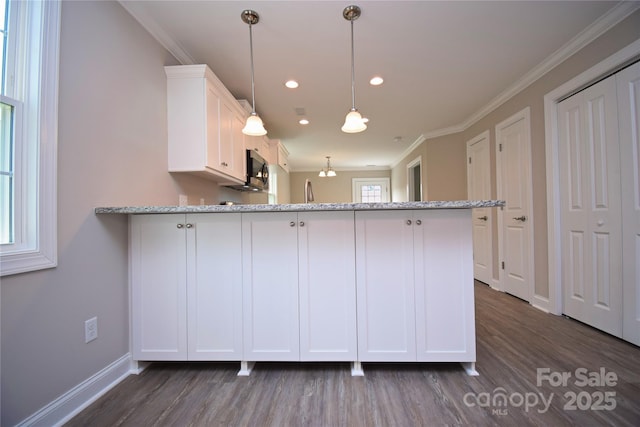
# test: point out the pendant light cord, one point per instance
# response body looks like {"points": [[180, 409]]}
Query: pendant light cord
{"points": [[253, 88], [353, 73]]}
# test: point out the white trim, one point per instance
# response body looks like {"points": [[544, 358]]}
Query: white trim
{"points": [[604, 23], [484, 136], [551, 99], [409, 150], [354, 187], [136, 9], [525, 115], [81, 396], [44, 254], [410, 171]]}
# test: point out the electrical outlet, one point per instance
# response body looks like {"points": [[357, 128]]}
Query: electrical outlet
{"points": [[183, 200], [90, 329]]}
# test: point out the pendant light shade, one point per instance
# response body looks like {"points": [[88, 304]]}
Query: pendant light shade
{"points": [[353, 123], [254, 125]]}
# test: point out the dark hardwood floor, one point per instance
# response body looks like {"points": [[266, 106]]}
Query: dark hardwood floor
{"points": [[514, 341]]}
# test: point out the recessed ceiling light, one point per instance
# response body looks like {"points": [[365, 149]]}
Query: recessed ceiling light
{"points": [[291, 84], [376, 81], [303, 121]]}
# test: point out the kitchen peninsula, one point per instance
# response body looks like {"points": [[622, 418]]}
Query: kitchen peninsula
{"points": [[346, 282]]}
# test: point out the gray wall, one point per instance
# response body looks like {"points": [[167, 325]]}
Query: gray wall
{"points": [[449, 151], [112, 151]]}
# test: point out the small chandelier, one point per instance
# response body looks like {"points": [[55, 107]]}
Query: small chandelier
{"points": [[253, 126], [328, 171], [353, 123]]}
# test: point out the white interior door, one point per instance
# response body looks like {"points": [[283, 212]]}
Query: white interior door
{"points": [[628, 82], [513, 158], [479, 188], [590, 213]]}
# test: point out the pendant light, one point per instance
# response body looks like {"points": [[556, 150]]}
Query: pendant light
{"points": [[328, 171], [253, 126], [353, 123]]}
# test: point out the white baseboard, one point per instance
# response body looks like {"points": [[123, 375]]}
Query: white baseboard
{"points": [[78, 398]]}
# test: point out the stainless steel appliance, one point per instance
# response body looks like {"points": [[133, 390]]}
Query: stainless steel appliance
{"points": [[257, 173]]}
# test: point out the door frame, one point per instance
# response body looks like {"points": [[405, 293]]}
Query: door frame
{"points": [[411, 179], [553, 303], [524, 114], [485, 138], [355, 182]]}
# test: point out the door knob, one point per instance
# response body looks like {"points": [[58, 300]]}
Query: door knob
{"points": [[520, 218], [301, 223], [188, 225], [408, 222], [419, 222], [292, 224], [483, 218], [180, 225]]}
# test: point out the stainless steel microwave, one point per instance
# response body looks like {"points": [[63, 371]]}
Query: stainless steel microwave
{"points": [[257, 173]]}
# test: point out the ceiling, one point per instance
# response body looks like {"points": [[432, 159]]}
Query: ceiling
{"points": [[444, 64]]}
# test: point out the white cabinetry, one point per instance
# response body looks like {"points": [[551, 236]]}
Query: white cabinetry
{"points": [[204, 125], [270, 286], [415, 286], [186, 287], [299, 286], [281, 156], [327, 290], [261, 145]]}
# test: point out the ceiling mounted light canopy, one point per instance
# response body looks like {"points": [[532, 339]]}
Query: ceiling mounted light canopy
{"points": [[328, 171], [353, 123], [254, 125]]}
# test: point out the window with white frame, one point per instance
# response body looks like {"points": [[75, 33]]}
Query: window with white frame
{"points": [[28, 134], [370, 190]]}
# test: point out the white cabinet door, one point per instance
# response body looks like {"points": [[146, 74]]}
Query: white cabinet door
{"points": [[385, 286], [443, 253], [327, 286], [186, 287], [270, 286], [159, 287], [214, 286]]}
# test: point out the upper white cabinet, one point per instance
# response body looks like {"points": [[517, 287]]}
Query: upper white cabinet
{"points": [[283, 156], [415, 286], [186, 288], [204, 125], [261, 145]]}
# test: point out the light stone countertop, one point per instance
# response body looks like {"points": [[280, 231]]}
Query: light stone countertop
{"points": [[300, 207]]}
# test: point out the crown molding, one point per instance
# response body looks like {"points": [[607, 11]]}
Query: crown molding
{"points": [[614, 16], [148, 23], [607, 21]]}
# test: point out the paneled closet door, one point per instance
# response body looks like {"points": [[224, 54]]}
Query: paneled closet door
{"points": [[589, 158], [628, 81]]}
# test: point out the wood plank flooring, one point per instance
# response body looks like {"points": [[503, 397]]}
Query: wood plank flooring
{"points": [[513, 341]]}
